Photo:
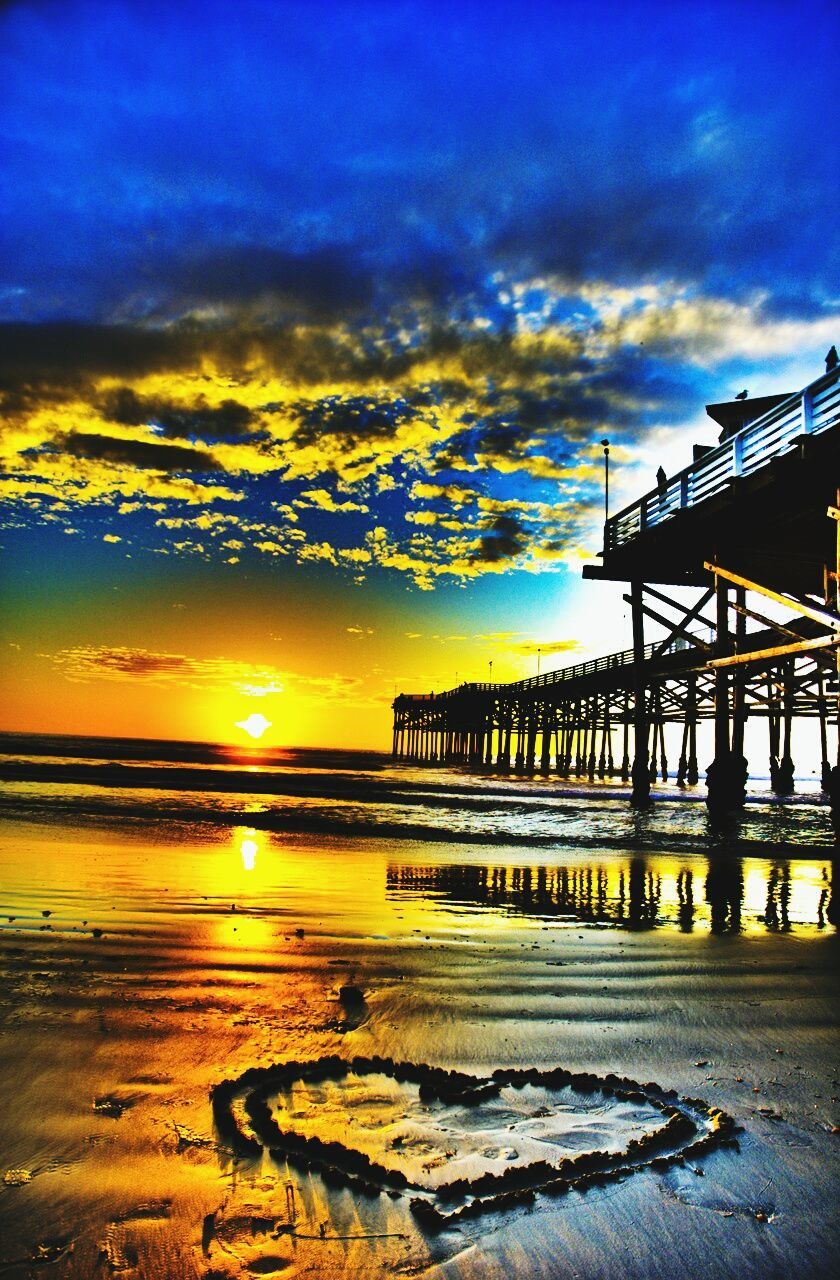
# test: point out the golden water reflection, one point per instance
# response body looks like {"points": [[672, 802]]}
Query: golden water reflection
{"points": [[725, 895], [249, 848]]}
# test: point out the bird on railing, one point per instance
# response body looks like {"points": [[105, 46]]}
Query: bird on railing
{"points": [[742, 395], [831, 360]]}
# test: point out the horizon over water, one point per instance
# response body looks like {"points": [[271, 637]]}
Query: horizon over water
{"points": [[176, 915]]}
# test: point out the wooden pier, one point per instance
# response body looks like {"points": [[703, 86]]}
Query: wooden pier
{"points": [[752, 529]]}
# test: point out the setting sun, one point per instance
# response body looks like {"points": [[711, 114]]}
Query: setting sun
{"points": [[254, 725]]}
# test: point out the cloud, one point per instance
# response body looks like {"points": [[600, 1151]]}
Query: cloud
{"points": [[84, 663], [544, 647], [322, 283], [88, 662], [325, 501], [134, 453], [505, 539], [228, 420]]}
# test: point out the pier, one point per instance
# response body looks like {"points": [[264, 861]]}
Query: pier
{"points": [[736, 559]]}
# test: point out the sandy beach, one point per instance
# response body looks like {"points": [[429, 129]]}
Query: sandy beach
{"points": [[143, 963]]}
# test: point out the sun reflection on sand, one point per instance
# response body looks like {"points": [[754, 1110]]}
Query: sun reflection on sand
{"points": [[249, 848]]}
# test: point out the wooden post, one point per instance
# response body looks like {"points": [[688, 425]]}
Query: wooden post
{"points": [[722, 677], [786, 768], [725, 777], [654, 717], [547, 730], [682, 766], [773, 730], [640, 796], [531, 753], [739, 693], [692, 775], [609, 737], [625, 752], [825, 767], [593, 738], [834, 777]]}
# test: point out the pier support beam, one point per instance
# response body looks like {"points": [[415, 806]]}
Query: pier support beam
{"points": [[726, 776], [640, 796], [786, 770]]}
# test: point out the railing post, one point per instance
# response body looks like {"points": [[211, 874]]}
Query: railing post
{"points": [[684, 490], [643, 515], [807, 413], [737, 454]]}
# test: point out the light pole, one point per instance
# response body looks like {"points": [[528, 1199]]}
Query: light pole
{"points": [[491, 670], [539, 655], [606, 447]]}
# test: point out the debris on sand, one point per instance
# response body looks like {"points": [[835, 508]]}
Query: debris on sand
{"points": [[111, 1106], [352, 998], [16, 1177]]}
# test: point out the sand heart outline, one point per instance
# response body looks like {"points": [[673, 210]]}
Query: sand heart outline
{"points": [[691, 1129]]}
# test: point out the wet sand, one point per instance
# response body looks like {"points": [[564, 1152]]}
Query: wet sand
{"points": [[175, 956]]}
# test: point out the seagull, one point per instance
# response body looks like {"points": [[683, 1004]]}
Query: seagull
{"points": [[831, 360], [742, 395]]}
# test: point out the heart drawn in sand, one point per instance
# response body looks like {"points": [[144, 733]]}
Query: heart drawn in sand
{"points": [[460, 1145]]}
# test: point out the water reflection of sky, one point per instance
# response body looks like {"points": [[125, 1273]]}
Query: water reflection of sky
{"points": [[729, 895], [257, 890]]}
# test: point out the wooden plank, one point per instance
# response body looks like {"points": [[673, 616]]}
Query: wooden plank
{"points": [[777, 651], [829, 620]]}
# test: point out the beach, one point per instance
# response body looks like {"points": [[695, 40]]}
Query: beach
{"points": [[156, 941]]}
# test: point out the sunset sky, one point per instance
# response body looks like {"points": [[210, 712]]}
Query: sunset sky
{"points": [[314, 315]]}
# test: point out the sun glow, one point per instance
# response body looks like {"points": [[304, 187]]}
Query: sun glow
{"points": [[249, 848], [254, 725]]}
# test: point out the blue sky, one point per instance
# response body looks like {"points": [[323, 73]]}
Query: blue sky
{"points": [[337, 300]]}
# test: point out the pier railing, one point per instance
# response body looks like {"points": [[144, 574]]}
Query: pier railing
{"points": [[809, 412], [610, 662]]}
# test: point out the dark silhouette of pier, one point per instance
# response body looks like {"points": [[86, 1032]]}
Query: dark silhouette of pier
{"points": [[752, 528]]}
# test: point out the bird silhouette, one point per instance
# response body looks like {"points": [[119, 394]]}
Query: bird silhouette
{"points": [[831, 360], [742, 395]]}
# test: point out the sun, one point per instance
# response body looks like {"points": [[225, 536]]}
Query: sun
{"points": [[254, 725]]}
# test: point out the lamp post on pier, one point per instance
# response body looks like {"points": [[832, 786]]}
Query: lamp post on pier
{"points": [[606, 447]]}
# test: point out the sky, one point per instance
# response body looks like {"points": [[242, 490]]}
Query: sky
{"points": [[313, 317]]}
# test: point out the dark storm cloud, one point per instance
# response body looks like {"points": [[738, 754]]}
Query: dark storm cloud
{"points": [[505, 539], [35, 358], [352, 417], [226, 421], [323, 283], [134, 453], [38, 361]]}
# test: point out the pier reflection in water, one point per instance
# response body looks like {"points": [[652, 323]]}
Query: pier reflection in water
{"points": [[720, 895]]}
